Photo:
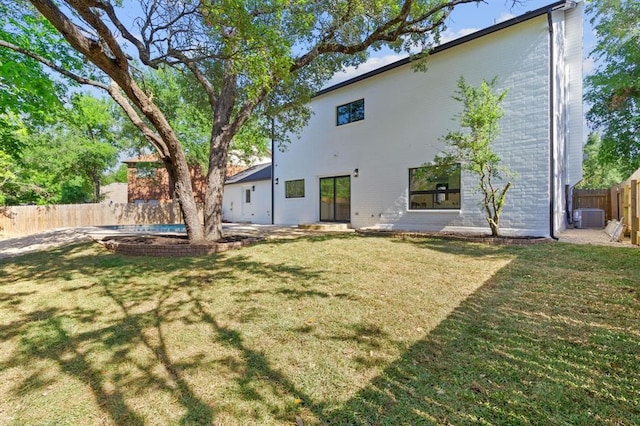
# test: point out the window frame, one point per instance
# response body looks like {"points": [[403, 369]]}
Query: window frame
{"points": [[294, 188], [351, 114], [441, 191]]}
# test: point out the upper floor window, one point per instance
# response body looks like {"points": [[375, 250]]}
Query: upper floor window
{"points": [[348, 113]]}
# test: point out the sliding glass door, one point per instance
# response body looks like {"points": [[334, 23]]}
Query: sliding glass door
{"points": [[335, 199]]}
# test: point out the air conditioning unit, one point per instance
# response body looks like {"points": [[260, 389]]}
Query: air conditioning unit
{"points": [[588, 218]]}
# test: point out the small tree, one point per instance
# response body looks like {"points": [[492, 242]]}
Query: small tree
{"points": [[481, 115]]}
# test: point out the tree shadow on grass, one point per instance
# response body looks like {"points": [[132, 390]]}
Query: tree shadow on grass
{"points": [[522, 349], [512, 354], [143, 308]]}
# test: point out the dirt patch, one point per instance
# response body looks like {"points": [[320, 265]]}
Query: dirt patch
{"points": [[173, 245], [593, 237], [480, 238]]}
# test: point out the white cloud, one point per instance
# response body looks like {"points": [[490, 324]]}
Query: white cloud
{"points": [[449, 35], [505, 16], [379, 62], [369, 65], [588, 65]]}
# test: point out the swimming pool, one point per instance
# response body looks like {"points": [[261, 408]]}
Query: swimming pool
{"points": [[159, 228]]}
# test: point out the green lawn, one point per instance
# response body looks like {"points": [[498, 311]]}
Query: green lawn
{"points": [[327, 330]]}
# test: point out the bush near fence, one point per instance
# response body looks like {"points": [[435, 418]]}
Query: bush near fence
{"points": [[16, 221]]}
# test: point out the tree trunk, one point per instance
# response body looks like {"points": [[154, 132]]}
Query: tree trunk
{"points": [[96, 186], [215, 186], [184, 194], [494, 225]]}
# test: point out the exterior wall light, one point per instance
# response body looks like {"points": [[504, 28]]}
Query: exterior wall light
{"points": [[356, 172], [276, 181]]}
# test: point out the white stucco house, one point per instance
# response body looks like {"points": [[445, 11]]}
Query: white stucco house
{"points": [[364, 156], [247, 196]]}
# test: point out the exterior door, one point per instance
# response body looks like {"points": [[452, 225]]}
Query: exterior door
{"points": [[246, 203], [335, 199]]}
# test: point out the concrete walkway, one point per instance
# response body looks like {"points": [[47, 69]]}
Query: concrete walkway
{"points": [[592, 236], [12, 247]]}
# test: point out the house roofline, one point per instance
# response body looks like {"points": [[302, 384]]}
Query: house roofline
{"points": [[442, 47], [252, 174]]}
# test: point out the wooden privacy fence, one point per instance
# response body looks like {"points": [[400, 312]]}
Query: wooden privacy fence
{"points": [[604, 199], [621, 202], [23, 220], [629, 191]]}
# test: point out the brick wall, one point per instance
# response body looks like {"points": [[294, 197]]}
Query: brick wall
{"points": [[149, 181]]}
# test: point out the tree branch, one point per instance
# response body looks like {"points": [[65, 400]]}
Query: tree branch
{"points": [[147, 132], [388, 31], [75, 77]]}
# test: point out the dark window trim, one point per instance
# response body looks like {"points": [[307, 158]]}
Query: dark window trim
{"points": [[295, 194], [334, 179], [435, 192], [352, 117]]}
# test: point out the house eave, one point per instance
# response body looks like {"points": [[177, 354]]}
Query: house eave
{"points": [[443, 47]]}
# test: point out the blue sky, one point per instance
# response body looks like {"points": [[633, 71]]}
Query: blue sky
{"points": [[469, 18]]}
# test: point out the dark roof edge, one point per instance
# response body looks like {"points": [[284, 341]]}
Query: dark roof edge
{"points": [[253, 174], [497, 27]]}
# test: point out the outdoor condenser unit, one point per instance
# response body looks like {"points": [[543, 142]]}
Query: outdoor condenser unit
{"points": [[588, 218]]}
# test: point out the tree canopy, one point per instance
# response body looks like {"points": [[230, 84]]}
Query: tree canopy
{"points": [[246, 59], [597, 174], [64, 161], [613, 90]]}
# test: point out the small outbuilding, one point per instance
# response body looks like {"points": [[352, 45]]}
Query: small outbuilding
{"points": [[247, 196]]}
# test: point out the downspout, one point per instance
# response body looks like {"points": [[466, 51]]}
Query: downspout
{"points": [[273, 170], [552, 133], [568, 5]]}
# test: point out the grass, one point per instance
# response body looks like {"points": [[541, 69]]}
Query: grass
{"points": [[331, 330]]}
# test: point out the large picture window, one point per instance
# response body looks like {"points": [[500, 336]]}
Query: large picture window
{"points": [[294, 188], [434, 187], [348, 113]]}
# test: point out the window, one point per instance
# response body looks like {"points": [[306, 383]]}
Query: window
{"points": [[434, 187], [348, 113], [247, 196], [294, 188]]}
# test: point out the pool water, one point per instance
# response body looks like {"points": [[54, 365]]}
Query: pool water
{"points": [[174, 227]]}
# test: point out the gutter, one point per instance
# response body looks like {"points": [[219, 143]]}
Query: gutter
{"points": [[566, 5], [552, 133], [273, 169]]}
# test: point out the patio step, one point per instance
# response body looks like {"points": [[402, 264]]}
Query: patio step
{"points": [[322, 226]]}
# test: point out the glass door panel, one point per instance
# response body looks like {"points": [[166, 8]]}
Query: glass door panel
{"points": [[343, 199], [327, 199], [335, 199]]}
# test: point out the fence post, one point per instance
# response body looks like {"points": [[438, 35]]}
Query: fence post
{"points": [[633, 207]]}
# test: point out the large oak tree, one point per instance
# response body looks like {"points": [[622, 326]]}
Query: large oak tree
{"points": [[248, 58]]}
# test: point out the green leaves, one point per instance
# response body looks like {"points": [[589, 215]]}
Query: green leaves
{"points": [[481, 114], [613, 90], [63, 162], [598, 173]]}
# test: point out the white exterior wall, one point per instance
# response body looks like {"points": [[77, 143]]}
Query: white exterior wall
{"points": [[406, 113], [574, 138], [235, 209]]}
